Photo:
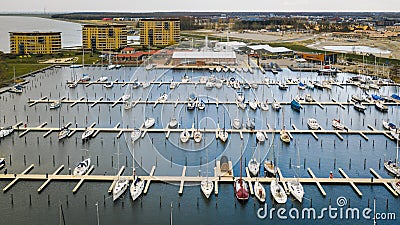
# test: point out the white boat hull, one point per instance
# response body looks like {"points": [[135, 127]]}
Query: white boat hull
{"points": [[136, 189], [207, 187], [296, 189], [120, 187], [259, 191], [278, 192]]}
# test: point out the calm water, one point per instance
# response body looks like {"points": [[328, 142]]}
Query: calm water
{"points": [[170, 155], [71, 32]]}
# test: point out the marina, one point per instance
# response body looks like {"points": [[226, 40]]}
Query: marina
{"points": [[173, 169]]}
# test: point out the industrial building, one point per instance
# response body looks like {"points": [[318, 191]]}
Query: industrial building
{"points": [[204, 58], [35, 42], [159, 32], [266, 51], [105, 37]]}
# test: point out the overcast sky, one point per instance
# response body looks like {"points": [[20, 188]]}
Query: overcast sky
{"points": [[198, 5]]}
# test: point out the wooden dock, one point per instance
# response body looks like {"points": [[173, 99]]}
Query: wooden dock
{"points": [[167, 131], [182, 179]]}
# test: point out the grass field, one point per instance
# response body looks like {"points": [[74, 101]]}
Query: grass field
{"points": [[26, 64]]}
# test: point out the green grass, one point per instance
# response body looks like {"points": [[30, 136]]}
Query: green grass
{"points": [[27, 64]]}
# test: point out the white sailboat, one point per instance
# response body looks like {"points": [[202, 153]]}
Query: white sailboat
{"points": [[260, 137], [56, 104], [87, 133], [149, 122], [173, 123], [276, 105], [254, 166], [5, 131], [294, 186], [197, 136], [121, 183], [393, 167], [82, 167], [135, 135], [137, 185], [259, 191], [184, 136], [284, 134], [278, 193], [207, 185], [15, 88], [253, 104], [223, 135]]}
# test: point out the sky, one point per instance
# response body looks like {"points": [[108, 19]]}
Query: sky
{"points": [[199, 5]]}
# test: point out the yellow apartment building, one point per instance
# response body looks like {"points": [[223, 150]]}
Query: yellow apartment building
{"points": [[106, 37], [35, 42], [159, 32]]}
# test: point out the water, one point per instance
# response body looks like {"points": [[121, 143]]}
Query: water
{"points": [[170, 155], [357, 49], [71, 32]]}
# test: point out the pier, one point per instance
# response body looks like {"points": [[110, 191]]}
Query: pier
{"points": [[181, 179], [167, 131]]}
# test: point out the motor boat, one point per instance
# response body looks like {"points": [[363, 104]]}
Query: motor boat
{"points": [[55, 104], [191, 105], [381, 107], [103, 79], [392, 167], [388, 125], [82, 167], [295, 104], [264, 106], [64, 132], [173, 123], [269, 168], [209, 85], [253, 105], [250, 124], [163, 98], [197, 136], [359, 107], [241, 105], [282, 86], [109, 85], [337, 124], [276, 105], [240, 96], [149, 122], [201, 105], [308, 98], [312, 124], [284, 136], [237, 124]]}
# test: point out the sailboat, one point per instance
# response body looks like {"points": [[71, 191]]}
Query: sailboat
{"points": [[236, 123], [207, 185], [253, 104], [16, 88], [82, 167], [241, 188], [173, 123], [295, 187], [277, 191], [149, 122], [223, 135], [74, 81], [5, 131], [276, 105], [284, 134], [254, 166], [137, 185], [260, 137], [121, 184], [184, 136], [393, 167], [64, 131], [197, 136], [135, 135], [87, 133], [259, 191], [269, 166]]}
